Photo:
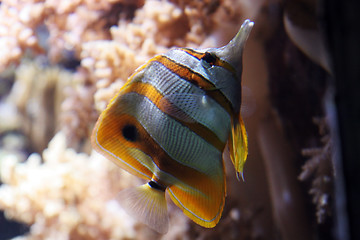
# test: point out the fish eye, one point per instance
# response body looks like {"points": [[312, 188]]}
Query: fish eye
{"points": [[209, 58], [130, 132]]}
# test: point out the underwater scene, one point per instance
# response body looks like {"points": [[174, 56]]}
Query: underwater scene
{"points": [[172, 119]]}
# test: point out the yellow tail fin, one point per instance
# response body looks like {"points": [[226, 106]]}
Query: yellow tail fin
{"points": [[146, 204], [238, 145]]}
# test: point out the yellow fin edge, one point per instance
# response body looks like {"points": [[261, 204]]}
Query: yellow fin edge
{"points": [[238, 146]]}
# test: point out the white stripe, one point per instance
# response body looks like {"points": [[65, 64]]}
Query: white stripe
{"points": [[177, 140], [212, 115], [223, 79]]}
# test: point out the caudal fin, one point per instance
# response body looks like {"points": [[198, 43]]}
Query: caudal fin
{"points": [[147, 205]]}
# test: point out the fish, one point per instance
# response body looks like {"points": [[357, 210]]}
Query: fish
{"points": [[170, 124]]}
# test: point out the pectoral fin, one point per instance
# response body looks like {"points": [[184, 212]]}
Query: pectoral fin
{"points": [[146, 204]]}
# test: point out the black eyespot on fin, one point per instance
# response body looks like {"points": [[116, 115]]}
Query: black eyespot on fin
{"points": [[130, 132]]}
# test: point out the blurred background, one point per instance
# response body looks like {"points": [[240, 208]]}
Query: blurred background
{"points": [[62, 61]]}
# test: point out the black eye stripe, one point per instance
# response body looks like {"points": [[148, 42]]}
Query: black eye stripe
{"points": [[209, 58]]}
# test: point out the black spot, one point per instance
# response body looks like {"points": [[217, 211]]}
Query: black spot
{"points": [[209, 58], [130, 133], [156, 186]]}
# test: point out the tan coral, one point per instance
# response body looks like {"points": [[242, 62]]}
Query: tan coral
{"points": [[37, 94], [17, 30], [68, 200], [319, 168], [77, 111], [70, 23], [70, 196], [156, 27]]}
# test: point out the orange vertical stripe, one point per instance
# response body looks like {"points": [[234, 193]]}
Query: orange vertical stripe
{"points": [[195, 78], [155, 96]]}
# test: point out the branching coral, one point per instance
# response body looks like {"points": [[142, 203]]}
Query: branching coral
{"points": [[77, 111], [320, 168], [70, 23], [17, 30], [155, 27], [37, 95], [69, 203], [70, 196]]}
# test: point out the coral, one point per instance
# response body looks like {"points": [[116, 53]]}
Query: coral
{"points": [[319, 168], [37, 95], [77, 111], [156, 27], [69, 195], [69, 24], [17, 30]]}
